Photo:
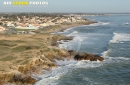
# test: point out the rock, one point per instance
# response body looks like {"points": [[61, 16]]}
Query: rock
{"points": [[53, 43], [80, 56], [28, 80], [60, 43], [23, 80], [86, 56], [62, 30], [65, 41], [71, 52], [99, 57]]}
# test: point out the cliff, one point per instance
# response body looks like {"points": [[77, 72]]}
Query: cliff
{"points": [[24, 55]]}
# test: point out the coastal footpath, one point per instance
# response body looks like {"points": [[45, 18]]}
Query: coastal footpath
{"points": [[24, 55]]}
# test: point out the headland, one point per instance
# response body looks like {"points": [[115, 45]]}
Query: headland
{"points": [[27, 51]]}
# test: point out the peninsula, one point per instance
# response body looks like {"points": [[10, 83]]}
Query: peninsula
{"points": [[27, 45]]}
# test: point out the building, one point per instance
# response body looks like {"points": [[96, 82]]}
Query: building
{"points": [[2, 29]]}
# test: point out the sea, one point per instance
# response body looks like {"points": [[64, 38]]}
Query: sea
{"points": [[109, 38]]}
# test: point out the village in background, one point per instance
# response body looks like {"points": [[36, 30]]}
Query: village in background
{"points": [[28, 23]]}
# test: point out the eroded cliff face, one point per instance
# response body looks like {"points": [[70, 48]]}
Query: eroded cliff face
{"points": [[22, 73], [17, 78], [29, 55], [46, 60]]}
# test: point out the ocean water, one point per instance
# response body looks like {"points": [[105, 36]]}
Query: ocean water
{"points": [[110, 38]]}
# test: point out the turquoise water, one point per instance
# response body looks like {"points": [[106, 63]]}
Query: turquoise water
{"points": [[110, 38]]}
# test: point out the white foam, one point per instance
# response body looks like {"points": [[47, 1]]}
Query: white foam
{"points": [[105, 23], [126, 23], [120, 37], [99, 23], [69, 29], [68, 65], [63, 68], [116, 60], [109, 59], [104, 54], [75, 33], [76, 40]]}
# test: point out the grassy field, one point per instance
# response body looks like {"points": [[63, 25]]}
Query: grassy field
{"points": [[21, 54], [19, 49]]}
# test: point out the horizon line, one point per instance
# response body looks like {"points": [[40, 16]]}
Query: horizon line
{"points": [[74, 12]]}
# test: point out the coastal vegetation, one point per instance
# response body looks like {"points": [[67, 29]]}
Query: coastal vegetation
{"points": [[29, 54], [22, 55], [25, 53]]}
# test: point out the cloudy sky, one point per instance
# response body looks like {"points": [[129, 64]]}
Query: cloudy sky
{"points": [[65, 6]]}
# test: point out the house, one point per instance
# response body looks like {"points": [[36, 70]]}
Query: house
{"points": [[2, 29]]}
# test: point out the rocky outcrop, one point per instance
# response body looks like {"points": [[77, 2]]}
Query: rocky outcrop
{"points": [[56, 38], [22, 75], [86, 56], [16, 78], [71, 52], [19, 80]]}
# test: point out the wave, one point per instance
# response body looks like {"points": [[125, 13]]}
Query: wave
{"points": [[74, 44], [120, 37], [126, 23], [64, 67], [99, 23], [104, 54], [75, 32], [113, 59], [68, 29], [105, 23], [69, 65]]}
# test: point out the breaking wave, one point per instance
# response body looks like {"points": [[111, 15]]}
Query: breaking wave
{"points": [[120, 37]]}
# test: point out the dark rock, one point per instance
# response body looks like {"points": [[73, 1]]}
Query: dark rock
{"points": [[71, 52], [65, 41], [54, 43], [68, 38], [28, 80], [23, 80], [99, 57], [80, 56], [61, 30], [86, 56], [28, 47], [60, 43]]}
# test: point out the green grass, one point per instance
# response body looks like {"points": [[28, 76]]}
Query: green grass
{"points": [[8, 58], [7, 43], [19, 49], [25, 62], [2, 69], [55, 50], [19, 29], [24, 48], [4, 49], [19, 41], [18, 61], [2, 54]]}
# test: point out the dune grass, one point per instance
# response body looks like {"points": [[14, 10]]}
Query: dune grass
{"points": [[8, 58], [7, 43]]}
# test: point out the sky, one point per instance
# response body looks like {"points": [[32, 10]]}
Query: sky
{"points": [[72, 6]]}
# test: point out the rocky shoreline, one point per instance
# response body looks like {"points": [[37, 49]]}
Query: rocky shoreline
{"points": [[46, 60]]}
